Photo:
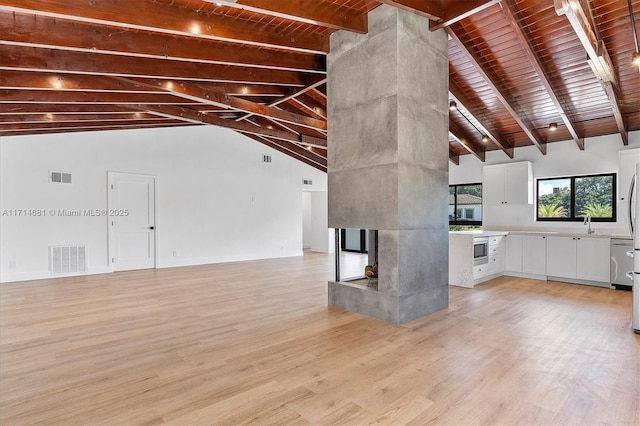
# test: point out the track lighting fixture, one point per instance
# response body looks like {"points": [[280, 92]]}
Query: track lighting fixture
{"points": [[453, 106]]}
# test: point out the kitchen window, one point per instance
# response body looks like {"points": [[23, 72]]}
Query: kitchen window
{"points": [[465, 204], [572, 198]]}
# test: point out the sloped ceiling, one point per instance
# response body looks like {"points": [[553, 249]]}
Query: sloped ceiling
{"points": [[259, 68]]}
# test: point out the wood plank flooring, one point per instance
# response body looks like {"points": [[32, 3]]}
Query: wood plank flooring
{"points": [[255, 343]]}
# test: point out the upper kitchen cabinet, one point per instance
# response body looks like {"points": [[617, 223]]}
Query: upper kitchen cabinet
{"points": [[508, 184], [628, 159]]}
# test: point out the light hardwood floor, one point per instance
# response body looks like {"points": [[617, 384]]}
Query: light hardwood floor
{"points": [[254, 342]]}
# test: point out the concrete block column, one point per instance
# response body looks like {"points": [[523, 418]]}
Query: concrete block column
{"points": [[388, 160]]}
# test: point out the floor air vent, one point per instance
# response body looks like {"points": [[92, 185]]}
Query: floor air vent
{"points": [[65, 260]]}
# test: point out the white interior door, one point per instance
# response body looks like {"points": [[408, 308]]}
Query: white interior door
{"points": [[132, 221]]}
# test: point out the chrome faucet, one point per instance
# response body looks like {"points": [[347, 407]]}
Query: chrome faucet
{"points": [[587, 221]]}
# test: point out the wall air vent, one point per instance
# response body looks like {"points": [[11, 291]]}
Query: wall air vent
{"points": [[65, 260], [266, 158], [307, 182], [59, 177]]}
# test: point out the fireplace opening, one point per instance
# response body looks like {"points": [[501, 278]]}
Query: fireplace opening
{"points": [[357, 257]]}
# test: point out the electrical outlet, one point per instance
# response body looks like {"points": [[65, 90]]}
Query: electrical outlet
{"points": [[175, 253]]}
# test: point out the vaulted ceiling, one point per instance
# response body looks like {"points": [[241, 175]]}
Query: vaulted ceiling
{"points": [[259, 67]]}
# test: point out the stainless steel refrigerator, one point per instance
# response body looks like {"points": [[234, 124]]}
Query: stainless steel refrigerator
{"points": [[634, 223]]}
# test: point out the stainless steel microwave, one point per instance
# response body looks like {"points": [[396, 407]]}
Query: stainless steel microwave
{"points": [[480, 251]]}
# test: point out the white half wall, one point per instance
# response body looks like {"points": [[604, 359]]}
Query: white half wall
{"points": [[217, 201], [323, 238], [563, 159]]}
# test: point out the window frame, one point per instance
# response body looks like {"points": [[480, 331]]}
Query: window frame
{"points": [[572, 188], [455, 220]]}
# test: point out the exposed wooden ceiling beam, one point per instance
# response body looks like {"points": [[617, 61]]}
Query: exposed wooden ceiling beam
{"points": [[456, 95], [44, 31], [198, 93], [305, 131], [165, 18], [81, 97], [88, 129], [318, 96], [454, 158], [287, 149], [304, 108], [75, 118], [311, 106], [293, 94], [51, 108], [33, 80], [502, 95], [463, 138], [54, 60], [315, 12], [457, 10], [511, 12], [25, 126], [599, 59], [194, 116]]}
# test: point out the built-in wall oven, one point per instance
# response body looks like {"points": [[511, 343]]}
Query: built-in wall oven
{"points": [[480, 251]]}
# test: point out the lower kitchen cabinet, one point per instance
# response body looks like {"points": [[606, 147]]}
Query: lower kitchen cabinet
{"points": [[513, 256], [593, 260], [578, 258], [534, 258], [561, 257]]}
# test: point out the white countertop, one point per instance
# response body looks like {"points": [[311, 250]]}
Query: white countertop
{"points": [[560, 234], [539, 233]]}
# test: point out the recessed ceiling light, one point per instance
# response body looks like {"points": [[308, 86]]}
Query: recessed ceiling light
{"points": [[485, 139], [56, 82], [635, 60], [453, 105], [553, 127]]}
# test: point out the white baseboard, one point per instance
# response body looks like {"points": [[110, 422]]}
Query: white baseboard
{"points": [[45, 275]]}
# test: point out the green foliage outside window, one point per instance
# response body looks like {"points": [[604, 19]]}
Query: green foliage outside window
{"points": [[573, 198]]}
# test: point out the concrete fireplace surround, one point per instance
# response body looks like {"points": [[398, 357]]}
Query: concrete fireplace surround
{"points": [[388, 160]]}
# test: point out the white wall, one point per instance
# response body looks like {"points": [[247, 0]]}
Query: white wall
{"points": [[306, 220], [217, 200], [563, 159]]}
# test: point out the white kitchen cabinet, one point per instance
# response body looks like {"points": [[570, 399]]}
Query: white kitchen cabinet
{"points": [[534, 254], [627, 163], [508, 184], [462, 270], [585, 259], [513, 255], [561, 257], [593, 263], [496, 255]]}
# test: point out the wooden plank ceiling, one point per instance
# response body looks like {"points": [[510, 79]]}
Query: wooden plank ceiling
{"points": [[259, 67]]}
